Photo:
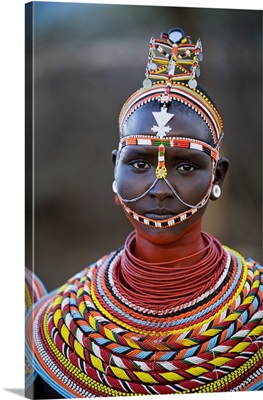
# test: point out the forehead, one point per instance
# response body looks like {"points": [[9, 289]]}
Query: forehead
{"points": [[183, 122]]}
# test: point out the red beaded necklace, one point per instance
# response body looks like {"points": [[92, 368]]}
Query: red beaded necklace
{"points": [[168, 284]]}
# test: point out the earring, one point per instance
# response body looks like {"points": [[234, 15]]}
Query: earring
{"points": [[114, 187], [216, 192]]}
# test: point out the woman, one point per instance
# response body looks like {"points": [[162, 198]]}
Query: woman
{"points": [[173, 311]]}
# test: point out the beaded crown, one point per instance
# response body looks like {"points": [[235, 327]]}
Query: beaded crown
{"points": [[172, 58], [173, 65]]}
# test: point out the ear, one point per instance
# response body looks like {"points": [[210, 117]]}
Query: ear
{"points": [[220, 173], [114, 156], [221, 170]]}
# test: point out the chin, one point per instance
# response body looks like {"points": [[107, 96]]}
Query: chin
{"points": [[159, 235], [162, 236]]}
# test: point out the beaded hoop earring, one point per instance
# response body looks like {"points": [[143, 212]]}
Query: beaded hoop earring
{"points": [[216, 192]]}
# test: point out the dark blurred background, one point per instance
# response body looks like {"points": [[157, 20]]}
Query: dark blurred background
{"points": [[85, 60]]}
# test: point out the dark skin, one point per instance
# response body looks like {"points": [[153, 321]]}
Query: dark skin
{"points": [[189, 172]]}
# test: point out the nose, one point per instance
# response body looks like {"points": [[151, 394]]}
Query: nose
{"points": [[161, 190]]}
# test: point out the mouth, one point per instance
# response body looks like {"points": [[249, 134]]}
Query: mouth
{"points": [[159, 214]]}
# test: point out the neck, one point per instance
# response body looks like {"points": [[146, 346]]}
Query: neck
{"points": [[188, 243], [156, 275]]}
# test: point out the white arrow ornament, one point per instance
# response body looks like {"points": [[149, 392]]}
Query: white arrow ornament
{"points": [[162, 118]]}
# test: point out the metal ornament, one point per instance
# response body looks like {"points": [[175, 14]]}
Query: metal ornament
{"points": [[152, 65], [216, 192], [147, 83], [198, 72], [114, 187], [175, 35], [162, 118], [192, 83]]}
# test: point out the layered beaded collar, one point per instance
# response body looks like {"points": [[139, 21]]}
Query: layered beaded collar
{"points": [[87, 340]]}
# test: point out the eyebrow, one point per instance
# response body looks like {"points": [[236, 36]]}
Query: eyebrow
{"points": [[135, 151]]}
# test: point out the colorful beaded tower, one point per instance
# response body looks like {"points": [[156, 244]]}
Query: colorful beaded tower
{"points": [[172, 81]]}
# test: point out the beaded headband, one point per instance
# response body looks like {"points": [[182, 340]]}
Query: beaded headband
{"points": [[177, 142], [172, 81]]}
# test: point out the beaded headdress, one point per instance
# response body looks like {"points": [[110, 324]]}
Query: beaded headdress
{"points": [[173, 67]]}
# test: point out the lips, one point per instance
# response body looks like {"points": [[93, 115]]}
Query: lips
{"points": [[159, 213]]}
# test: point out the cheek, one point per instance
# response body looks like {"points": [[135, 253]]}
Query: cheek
{"points": [[131, 184], [192, 188]]}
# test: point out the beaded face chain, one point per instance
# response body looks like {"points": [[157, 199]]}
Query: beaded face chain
{"points": [[161, 173]]}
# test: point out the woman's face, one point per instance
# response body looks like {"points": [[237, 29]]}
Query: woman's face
{"points": [[188, 171]]}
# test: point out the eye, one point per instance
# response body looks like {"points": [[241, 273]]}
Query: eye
{"points": [[186, 168], [140, 165]]}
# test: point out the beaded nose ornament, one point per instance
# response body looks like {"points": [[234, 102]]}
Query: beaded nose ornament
{"points": [[161, 171], [162, 118]]}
